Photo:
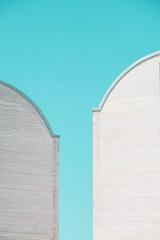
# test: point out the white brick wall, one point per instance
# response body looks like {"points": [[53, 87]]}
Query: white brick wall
{"points": [[126, 158]]}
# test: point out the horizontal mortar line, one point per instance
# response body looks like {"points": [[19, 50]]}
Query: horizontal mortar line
{"points": [[29, 190], [146, 175], [43, 186], [27, 233], [26, 213], [118, 225], [27, 164], [28, 174]]}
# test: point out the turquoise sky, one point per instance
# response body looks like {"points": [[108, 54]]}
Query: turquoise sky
{"points": [[64, 55]]}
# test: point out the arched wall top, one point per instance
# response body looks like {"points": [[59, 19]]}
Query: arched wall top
{"points": [[121, 76], [34, 105]]}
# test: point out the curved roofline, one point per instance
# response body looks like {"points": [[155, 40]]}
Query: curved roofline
{"points": [[34, 105], [120, 77]]}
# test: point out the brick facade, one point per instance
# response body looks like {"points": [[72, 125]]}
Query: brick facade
{"points": [[29, 170], [126, 156]]}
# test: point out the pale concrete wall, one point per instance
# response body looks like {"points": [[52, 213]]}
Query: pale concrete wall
{"points": [[126, 158], [29, 171]]}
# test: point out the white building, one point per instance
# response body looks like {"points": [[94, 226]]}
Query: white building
{"points": [[29, 170], [126, 156]]}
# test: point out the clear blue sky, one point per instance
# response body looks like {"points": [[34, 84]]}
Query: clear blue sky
{"points": [[64, 55]]}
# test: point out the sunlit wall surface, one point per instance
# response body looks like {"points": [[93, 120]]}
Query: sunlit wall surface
{"points": [[29, 153], [126, 156]]}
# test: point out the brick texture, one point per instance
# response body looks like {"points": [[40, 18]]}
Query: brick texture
{"points": [[29, 171], [126, 158]]}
